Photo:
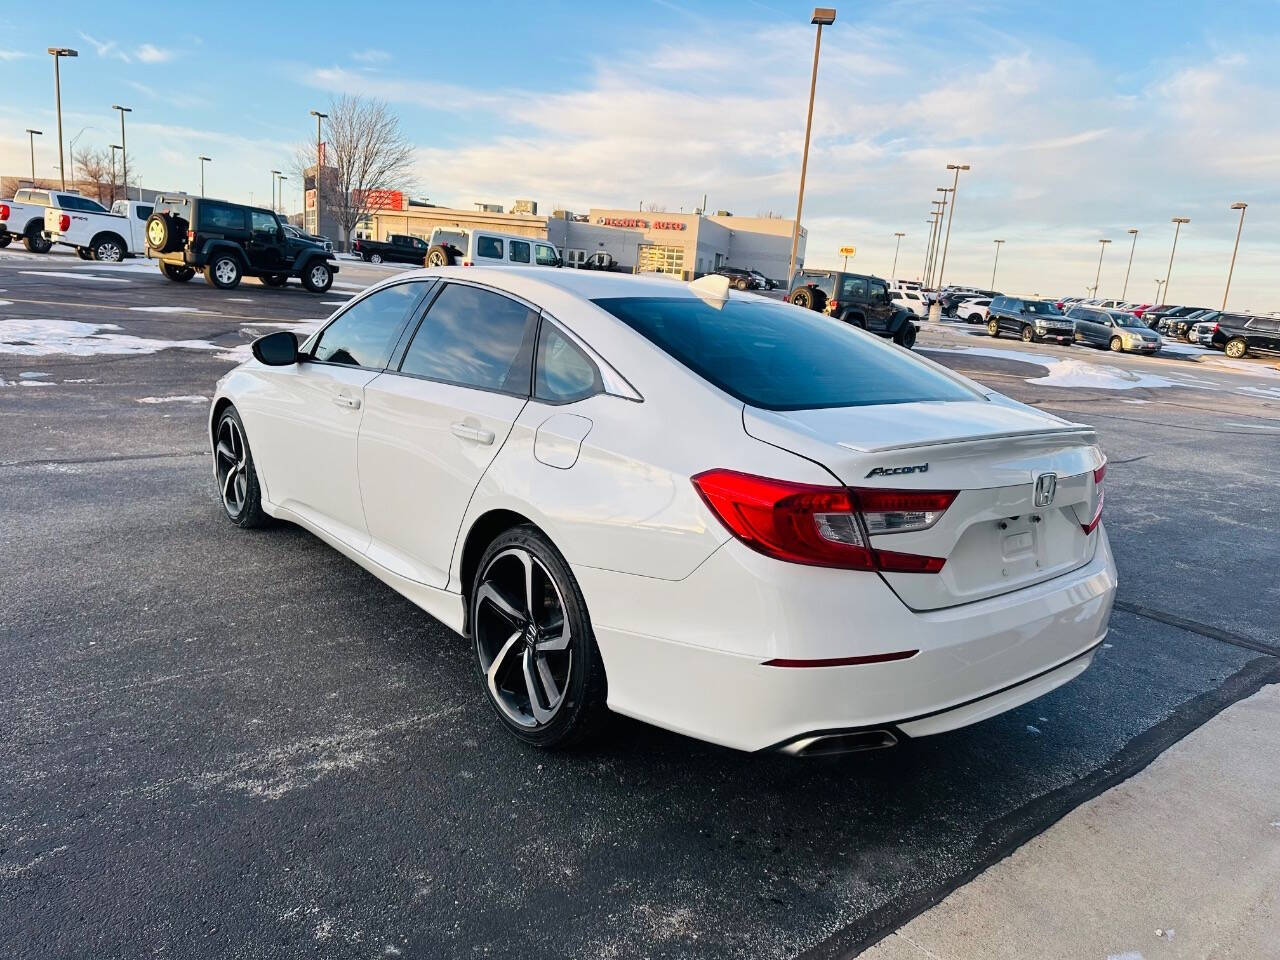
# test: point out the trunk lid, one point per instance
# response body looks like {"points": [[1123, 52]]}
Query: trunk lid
{"points": [[994, 537]]}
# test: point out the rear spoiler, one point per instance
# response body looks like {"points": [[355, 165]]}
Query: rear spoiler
{"points": [[1085, 433]]}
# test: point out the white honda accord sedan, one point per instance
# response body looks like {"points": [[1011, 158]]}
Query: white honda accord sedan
{"points": [[718, 513]]}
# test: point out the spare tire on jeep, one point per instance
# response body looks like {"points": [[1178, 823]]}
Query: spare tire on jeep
{"points": [[165, 232], [440, 255], [811, 298]]}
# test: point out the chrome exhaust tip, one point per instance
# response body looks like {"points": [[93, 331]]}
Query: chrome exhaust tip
{"points": [[831, 744]]}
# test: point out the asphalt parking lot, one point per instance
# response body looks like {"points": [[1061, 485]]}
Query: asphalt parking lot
{"points": [[216, 743]]}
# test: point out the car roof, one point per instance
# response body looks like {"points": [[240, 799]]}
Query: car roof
{"points": [[584, 284]]}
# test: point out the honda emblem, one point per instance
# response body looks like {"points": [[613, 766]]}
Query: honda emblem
{"points": [[1046, 487]]}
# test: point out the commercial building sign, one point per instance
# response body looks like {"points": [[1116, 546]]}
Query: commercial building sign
{"points": [[379, 200], [642, 224]]}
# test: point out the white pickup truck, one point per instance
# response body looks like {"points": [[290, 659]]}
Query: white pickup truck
{"points": [[22, 218], [99, 234]]}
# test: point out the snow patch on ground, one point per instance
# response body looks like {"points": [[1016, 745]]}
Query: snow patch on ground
{"points": [[74, 276], [189, 398], [239, 299], [1068, 372], [35, 383], [6, 303], [39, 338], [170, 310]]}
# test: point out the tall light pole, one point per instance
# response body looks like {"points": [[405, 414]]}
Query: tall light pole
{"points": [[957, 167], [995, 263], [283, 178], [1097, 279], [31, 136], [937, 241], [114, 148], [324, 116], [893, 273], [203, 161], [1177, 226], [928, 249], [1159, 282], [1133, 232], [1241, 207], [274, 175], [124, 154], [58, 53], [822, 17]]}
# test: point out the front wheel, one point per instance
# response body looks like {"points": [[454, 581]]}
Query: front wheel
{"points": [[223, 272], [535, 649], [4, 240], [236, 474], [1117, 345], [1237, 348], [906, 337], [318, 277], [1028, 335], [375, 258], [993, 328]]}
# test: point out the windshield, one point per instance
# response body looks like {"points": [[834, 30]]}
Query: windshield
{"points": [[1125, 319], [780, 357], [1042, 307]]}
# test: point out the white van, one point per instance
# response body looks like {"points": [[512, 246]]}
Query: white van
{"points": [[477, 248]]}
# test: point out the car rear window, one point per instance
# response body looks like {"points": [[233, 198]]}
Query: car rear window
{"points": [[780, 357]]}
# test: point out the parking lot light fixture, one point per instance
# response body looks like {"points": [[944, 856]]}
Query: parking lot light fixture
{"points": [[1097, 280], [1177, 226], [274, 175], [1159, 284], [957, 167], [124, 154], [928, 249], [31, 137], [58, 53], [822, 17], [283, 178], [893, 273], [1241, 206], [320, 117], [995, 263], [114, 148], [1133, 232], [937, 240], [203, 161]]}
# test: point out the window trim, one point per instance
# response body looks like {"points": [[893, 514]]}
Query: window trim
{"points": [[306, 352]]}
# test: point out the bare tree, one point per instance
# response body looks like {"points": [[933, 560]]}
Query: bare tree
{"points": [[367, 159], [94, 168]]}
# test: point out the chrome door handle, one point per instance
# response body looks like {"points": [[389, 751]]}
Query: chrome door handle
{"points": [[478, 434], [343, 400]]}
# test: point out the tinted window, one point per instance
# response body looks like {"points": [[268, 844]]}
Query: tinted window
{"points": [[178, 206], [544, 255], [475, 338], [142, 212], [216, 216], [563, 372], [365, 334], [39, 197], [262, 222], [824, 282], [1042, 308], [489, 247], [999, 303], [519, 251], [781, 357], [852, 287], [878, 289]]}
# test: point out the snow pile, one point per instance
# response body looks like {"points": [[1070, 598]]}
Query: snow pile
{"points": [[170, 310], [190, 398], [1068, 372], [39, 338]]}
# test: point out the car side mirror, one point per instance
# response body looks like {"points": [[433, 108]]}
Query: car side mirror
{"points": [[279, 349]]}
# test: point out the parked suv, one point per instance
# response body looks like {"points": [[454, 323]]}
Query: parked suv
{"points": [[739, 279], [1237, 334], [481, 248], [1029, 319], [854, 298], [951, 298], [229, 241]]}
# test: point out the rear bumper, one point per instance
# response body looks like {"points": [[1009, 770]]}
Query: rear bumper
{"points": [[690, 655]]}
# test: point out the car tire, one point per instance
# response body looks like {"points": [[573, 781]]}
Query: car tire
{"points": [[975, 318], [35, 243], [274, 279], [375, 258], [177, 273], [439, 256], [1117, 345], [223, 271], [546, 683], [906, 337], [317, 276], [1028, 335], [993, 328], [1236, 348], [165, 233], [236, 474], [802, 298], [4, 240], [108, 249], [83, 253]]}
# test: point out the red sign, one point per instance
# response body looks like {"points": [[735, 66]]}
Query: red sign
{"points": [[642, 224], [377, 200]]}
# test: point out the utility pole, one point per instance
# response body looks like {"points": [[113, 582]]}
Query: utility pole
{"points": [[1177, 222], [1241, 207], [319, 117], [114, 148], [957, 167], [941, 211], [282, 179], [274, 207], [893, 273], [124, 156], [203, 160], [996, 263], [58, 53], [1133, 246], [31, 136], [822, 16]]}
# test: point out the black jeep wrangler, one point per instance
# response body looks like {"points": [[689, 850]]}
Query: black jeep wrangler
{"points": [[229, 241], [854, 298]]}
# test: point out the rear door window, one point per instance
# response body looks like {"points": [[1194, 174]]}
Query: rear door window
{"points": [[774, 356], [490, 248], [219, 216], [364, 335], [519, 251], [474, 338], [852, 288]]}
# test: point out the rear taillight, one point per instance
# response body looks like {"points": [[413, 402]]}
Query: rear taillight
{"points": [[64, 223], [833, 306], [1098, 476], [467, 263], [822, 526], [191, 236], [4, 211]]}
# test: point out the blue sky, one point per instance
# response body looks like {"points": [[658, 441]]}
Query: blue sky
{"points": [[1080, 120]]}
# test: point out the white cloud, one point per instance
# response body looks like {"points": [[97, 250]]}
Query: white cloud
{"points": [[7, 55], [371, 56], [148, 53], [106, 48]]}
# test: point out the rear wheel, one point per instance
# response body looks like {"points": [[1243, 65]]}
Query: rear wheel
{"points": [[4, 240], [993, 328], [35, 243], [375, 258], [1028, 335], [1117, 345], [1236, 348], [439, 256], [176, 273], [223, 271], [534, 644], [237, 476], [107, 249], [741, 285], [317, 276]]}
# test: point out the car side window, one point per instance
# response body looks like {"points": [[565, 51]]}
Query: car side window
{"points": [[216, 216], [364, 335], [545, 255], [878, 290], [262, 222], [998, 303], [851, 288], [142, 212], [489, 247], [563, 372], [474, 338], [519, 251]]}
